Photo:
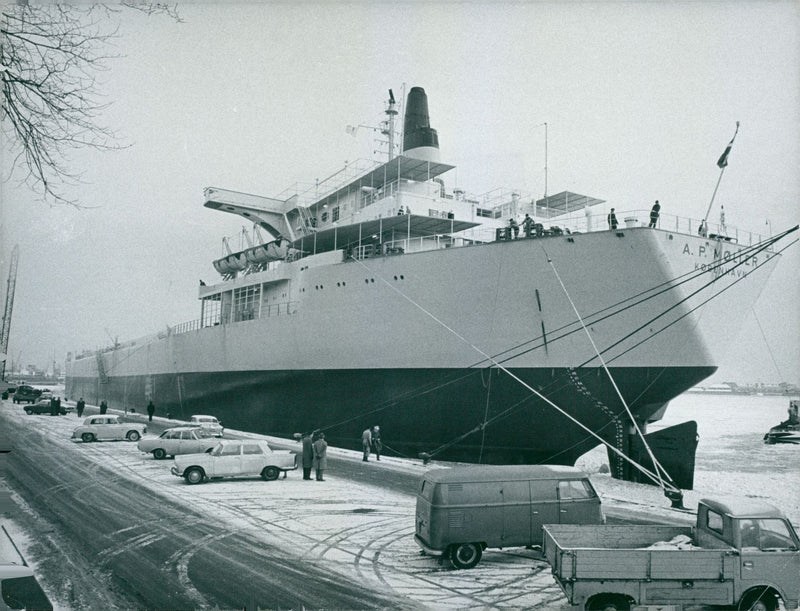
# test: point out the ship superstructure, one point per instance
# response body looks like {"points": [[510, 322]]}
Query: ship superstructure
{"points": [[382, 296]]}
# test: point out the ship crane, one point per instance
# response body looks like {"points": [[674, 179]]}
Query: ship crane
{"points": [[12, 281]]}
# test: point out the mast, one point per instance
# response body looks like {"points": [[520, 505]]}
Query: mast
{"points": [[6, 329], [387, 125]]}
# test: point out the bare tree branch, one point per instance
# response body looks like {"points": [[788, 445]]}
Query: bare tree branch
{"points": [[49, 57]]}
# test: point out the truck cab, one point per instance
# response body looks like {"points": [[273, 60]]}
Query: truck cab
{"points": [[768, 548]]}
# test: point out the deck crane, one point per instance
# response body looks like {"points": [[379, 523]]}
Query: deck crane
{"points": [[12, 281]]}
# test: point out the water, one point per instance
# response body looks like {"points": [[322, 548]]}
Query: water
{"points": [[732, 457]]}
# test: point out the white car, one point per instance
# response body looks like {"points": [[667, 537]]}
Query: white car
{"points": [[235, 458], [179, 440], [209, 423], [106, 427]]}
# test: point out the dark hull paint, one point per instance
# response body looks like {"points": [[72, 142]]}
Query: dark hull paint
{"points": [[436, 411]]}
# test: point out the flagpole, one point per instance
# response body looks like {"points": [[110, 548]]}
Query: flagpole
{"points": [[722, 164]]}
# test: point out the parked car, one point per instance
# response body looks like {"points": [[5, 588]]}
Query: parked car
{"points": [[26, 394], [178, 440], [235, 458], [108, 427], [42, 406], [209, 423]]}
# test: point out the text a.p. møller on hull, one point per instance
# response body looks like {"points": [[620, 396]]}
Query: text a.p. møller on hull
{"points": [[382, 297]]}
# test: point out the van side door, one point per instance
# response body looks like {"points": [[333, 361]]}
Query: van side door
{"points": [[516, 500], [544, 507], [577, 502]]}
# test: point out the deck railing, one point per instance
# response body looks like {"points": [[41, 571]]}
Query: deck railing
{"points": [[285, 308]]}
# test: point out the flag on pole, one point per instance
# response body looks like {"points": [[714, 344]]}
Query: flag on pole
{"points": [[723, 160]]}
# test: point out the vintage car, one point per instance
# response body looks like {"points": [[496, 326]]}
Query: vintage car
{"points": [[42, 406], [26, 394], [178, 440], [108, 427], [235, 458], [209, 423]]}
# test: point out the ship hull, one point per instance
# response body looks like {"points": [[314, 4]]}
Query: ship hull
{"points": [[472, 415]]}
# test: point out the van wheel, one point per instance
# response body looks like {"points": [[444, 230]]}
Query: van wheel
{"points": [[133, 435], [270, 473], [758, 600], [465, 555], [87, 437], [159, 454], [608, 602]]}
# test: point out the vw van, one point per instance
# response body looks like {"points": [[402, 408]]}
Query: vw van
{"points": [[463, 510]]}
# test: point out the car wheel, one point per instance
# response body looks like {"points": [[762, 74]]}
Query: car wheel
{"points": [[465, 555], [28, 411], [194, 475], [133, 436], [270, 473], [159, 454], [87, 437]]}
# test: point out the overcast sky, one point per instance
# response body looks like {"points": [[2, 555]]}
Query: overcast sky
{"points": [[640, 100]]}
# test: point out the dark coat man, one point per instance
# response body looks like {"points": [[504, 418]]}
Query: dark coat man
{"points": [[612, 220], [308, 455], [320, 456], [80, 406], [151, 409], [654, 211], [103, 407]]}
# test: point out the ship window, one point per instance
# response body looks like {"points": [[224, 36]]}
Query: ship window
{"points": [[335, 214], [246, 301], [324, 217]]}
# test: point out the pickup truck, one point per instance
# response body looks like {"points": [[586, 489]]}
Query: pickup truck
{"points": [[741, 552]]}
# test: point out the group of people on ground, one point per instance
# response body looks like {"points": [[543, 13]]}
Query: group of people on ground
{"points": [[315, 454], [371, 442]]}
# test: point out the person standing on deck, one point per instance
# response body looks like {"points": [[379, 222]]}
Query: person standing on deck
{"points": [[366, 443], [654, 211], [612, 220], [527, 225]]}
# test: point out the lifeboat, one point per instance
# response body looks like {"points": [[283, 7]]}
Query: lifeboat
{"points": [[263, 253]]}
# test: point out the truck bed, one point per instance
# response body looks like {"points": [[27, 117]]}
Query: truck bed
{"points": [[578, 552]]}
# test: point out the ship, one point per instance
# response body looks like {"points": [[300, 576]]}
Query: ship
{"points": [[387, 294]]}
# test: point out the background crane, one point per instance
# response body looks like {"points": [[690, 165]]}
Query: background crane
{"points": [[12, 281]]}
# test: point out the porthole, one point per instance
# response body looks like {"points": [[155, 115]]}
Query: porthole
{"points": [[372, 280], [344, 283], [395, 277], [366, 280]]}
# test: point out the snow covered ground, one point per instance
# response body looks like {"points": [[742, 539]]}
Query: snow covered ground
{"points": [[365, 533]]}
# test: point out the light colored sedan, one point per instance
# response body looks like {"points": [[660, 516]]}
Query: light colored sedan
{"points": [[235, 458], [208, 423], [108, 427], [180, 440]]}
